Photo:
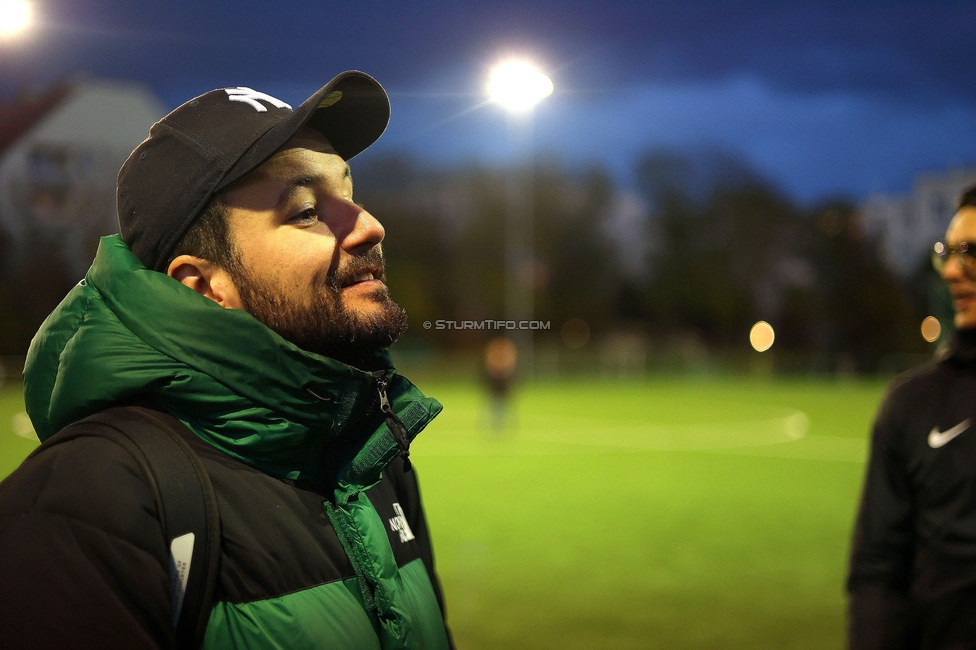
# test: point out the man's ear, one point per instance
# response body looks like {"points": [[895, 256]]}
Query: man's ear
{"points": [[205, 278]]}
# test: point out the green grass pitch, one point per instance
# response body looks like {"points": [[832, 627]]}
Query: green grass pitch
{"points": [[666, 513]]}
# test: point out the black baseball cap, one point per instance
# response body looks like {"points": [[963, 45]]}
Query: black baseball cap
{"points": [[219, 137]]}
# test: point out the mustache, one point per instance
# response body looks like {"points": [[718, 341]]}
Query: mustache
{"points": [[372, 262]]}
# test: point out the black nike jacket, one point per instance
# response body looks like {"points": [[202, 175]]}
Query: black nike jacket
{"points": [[912, 580]]}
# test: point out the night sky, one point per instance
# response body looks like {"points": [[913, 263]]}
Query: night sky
{"points": [[822, 98]]}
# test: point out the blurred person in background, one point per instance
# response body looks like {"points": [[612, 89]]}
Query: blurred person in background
{"points": [[501, 357], [912, 580], [243, 308]]}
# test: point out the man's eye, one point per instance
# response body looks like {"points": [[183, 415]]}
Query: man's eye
{"points": [[308, 216]]}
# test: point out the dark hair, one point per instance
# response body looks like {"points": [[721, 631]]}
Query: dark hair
{"points": [[968, 198], [208, 237]]}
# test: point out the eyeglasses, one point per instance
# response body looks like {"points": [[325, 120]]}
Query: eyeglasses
{"points": [[964, 251]]}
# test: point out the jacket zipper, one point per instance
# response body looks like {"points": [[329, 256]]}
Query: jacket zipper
{"points": [[395, 424]]}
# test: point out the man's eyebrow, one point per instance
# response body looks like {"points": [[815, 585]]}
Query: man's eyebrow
{"points": [[297, 182], [293, 184]]}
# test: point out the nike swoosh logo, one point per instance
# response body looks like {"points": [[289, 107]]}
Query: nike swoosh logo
{"points": [[937, 439]]}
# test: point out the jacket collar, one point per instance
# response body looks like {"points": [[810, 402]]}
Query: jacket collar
{"points": [[961, 350], [229, 345], [233, 381]]}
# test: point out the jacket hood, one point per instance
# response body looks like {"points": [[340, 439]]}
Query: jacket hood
{"points": [[126, 332]]}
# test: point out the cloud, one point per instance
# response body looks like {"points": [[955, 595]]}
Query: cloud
{"points": [[809, 144], [825, 96]]}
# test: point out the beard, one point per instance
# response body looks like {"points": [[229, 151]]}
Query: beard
{"points": [[320, 322]]}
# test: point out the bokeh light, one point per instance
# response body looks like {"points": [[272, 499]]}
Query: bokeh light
{"points": [[761, 336], [15, 17], [501, 356], [575, 333], [931, 329], [517, 86]]}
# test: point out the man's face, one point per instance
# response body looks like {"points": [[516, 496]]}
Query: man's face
{"points": [[308, 259], [958, 274]]}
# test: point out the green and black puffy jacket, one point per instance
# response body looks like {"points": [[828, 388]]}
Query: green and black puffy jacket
{"points": [[323, 539]]}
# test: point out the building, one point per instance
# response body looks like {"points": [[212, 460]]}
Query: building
{"points": [[908, 225], [60, 153]]}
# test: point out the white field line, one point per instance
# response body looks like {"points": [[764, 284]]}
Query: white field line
{"points": [[833, 448], [783, 436], [672, 437], [765, 438]]}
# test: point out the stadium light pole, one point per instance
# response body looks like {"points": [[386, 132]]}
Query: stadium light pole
{"points": [[518, 86]]}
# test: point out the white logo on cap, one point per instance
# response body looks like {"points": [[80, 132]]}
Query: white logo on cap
{"points": [[249, 96]]}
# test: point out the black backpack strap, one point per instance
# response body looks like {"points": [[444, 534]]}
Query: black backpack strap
{"points": [[185, 499]]}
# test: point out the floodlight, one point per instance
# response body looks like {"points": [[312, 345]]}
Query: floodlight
{"points": [[931, 329], [761, 336], [15, 17], [517, 86]]}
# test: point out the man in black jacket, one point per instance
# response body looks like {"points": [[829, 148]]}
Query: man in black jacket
{"points": [[912, 580]]}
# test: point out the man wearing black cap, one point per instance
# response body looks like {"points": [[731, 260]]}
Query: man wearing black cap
{"points": [[242, 313]]}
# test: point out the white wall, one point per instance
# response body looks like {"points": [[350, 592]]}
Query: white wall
{"points": [[104, 114], [99, 124]]}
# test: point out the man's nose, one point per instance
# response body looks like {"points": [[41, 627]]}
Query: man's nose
{"points": [[361, 230], [953, 268]]}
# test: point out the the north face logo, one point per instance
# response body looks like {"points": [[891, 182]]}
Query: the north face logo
{"points": [[251, 97], [399, 524]]}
